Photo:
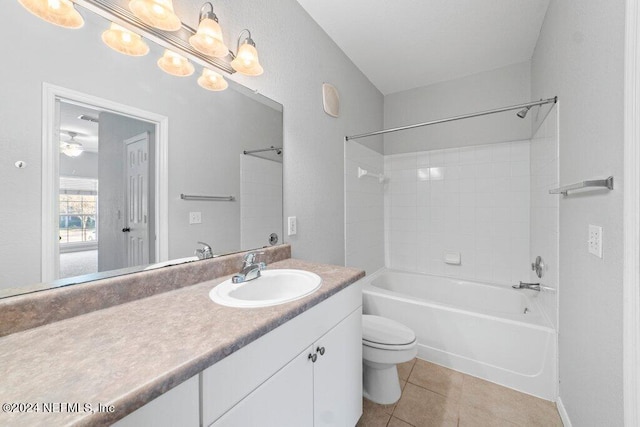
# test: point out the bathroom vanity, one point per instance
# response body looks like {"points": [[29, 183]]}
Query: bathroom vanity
{"points": [[177, 358]]}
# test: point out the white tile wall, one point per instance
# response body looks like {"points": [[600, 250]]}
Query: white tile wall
{"points": [[260, 201], [545, 209], [364, 204], [472, 200]]}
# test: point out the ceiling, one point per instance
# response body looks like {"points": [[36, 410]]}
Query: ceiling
{"points": [[87, 131], [404, 44]]}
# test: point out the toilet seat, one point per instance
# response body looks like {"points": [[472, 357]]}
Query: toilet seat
{"points": [[386, 334]]}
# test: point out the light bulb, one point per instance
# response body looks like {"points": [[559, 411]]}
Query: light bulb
{"points": [[58, 12], [208, 39], [124, 41], [211, 80], [174, 64], [157, 13], [246, 62]]}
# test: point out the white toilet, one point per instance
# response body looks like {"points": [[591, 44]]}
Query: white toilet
{"points": [[385, 343]]}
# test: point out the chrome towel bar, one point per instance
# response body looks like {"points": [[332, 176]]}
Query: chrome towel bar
{"points": [[603, 183], [209, 198]]}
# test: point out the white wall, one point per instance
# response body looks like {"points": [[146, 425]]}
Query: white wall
{"points": [[472, 200], [545, 211], [479, 92], [580, 58], [364, 216], [260, 201], [83, 166]]}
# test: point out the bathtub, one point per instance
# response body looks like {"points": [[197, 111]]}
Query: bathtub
{"points": [[488, 331]]}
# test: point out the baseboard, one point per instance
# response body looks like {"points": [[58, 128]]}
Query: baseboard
{"points": [[563, 413]]}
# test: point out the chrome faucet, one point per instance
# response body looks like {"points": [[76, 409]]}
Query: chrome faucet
{"points": [[251, 269], [523, 285], [205, 252]]}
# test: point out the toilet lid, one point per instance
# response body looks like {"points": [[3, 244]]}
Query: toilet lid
{"points": [[380, 330]]}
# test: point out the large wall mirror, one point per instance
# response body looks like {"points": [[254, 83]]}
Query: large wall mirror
{"points": [[103, 152]]}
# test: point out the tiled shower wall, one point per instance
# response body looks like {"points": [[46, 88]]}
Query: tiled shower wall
{"points": [[472, 200], [364, 204], [545, 209]]}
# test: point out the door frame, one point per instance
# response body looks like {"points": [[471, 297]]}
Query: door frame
{"points": [[51, 170], [631, 274]]}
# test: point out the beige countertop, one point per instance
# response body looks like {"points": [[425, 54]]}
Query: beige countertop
{"points": [[129, 354]]}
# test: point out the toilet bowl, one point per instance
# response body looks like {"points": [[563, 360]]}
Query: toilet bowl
{"points": [[385, 343]]}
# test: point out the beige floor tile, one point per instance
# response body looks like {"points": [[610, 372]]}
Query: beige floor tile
{"points": [[404, 369], [373, 418], [437, 378], [510, 405], [396, 422], [470, 416], [423, 408], [369, 406]]}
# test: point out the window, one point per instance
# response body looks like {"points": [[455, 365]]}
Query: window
{"points": [[78, 213]]}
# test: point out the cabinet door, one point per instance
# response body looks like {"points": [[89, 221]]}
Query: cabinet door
{"points": [[284, 400], [337, 374]]}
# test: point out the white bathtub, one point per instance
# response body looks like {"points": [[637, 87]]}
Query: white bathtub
{"points": [[475, 328]]}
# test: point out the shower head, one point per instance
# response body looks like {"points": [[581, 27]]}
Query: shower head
{"points": [[523, 113]]}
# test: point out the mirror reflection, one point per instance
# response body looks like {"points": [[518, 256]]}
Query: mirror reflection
{"points": [[99, 147]]}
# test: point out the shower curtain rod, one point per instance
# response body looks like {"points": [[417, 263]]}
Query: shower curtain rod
{"points": [[451, 119]]}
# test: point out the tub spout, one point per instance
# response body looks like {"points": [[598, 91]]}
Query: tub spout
{"points": [[523, 285]]}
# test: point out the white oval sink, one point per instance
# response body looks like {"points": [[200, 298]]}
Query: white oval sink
{"points": [[273, 287]]}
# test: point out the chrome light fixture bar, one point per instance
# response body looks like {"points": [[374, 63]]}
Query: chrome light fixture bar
{"points": [[115, 13]]}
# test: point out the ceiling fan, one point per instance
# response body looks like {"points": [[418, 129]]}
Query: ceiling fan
{"points": [[71, 148]]}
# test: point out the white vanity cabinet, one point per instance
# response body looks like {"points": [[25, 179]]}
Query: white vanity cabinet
{"points": [[321, 386], [274, 381], [177, 407]]}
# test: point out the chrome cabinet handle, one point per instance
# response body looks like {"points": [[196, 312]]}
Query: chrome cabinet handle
{"points": [[320, 350], [126, 229], [313, 357], [538, 266]]}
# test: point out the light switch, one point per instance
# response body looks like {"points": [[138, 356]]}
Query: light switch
{"points": [[595, 240], [292, 226], [195, 217]]}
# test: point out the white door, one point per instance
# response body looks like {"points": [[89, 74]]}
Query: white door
{"points": [[136, 224]]}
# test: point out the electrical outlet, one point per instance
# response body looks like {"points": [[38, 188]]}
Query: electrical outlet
{"points": [[195, 217], [292, 226], [595, 240]]}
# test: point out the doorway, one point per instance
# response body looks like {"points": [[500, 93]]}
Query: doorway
{"points": [[90, 202]]}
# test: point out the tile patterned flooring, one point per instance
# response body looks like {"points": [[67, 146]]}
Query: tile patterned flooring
{"points": [[436, 396]]}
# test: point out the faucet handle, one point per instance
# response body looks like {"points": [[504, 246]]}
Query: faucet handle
{"points": [[205, 252], [206, 245], [250, 257]]}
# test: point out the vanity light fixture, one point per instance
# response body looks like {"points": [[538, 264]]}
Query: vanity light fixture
{"points": [[175, 64], [246, 60], [157, 13], [58, 12], [211, 80], [71, 148], [124, 41], [208, 38]]}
